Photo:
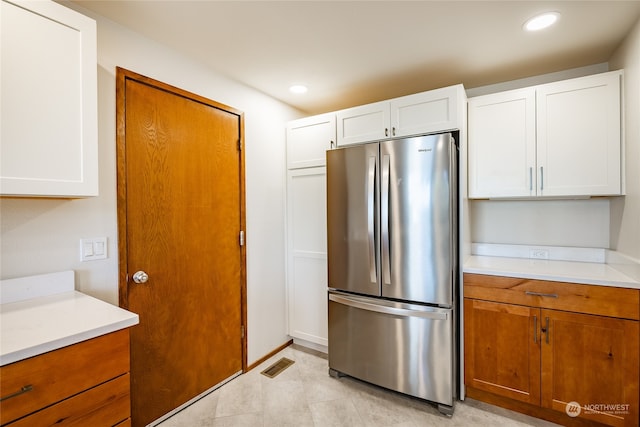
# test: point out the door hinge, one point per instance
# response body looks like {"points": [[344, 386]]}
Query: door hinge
{"points": [[239, 145], [242, 238], [242, 331]]}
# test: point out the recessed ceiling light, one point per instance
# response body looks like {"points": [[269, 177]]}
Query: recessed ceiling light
{"points": [[298, 89], [542, 21]]}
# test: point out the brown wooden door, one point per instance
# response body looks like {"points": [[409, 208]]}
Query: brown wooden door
{"points": [[502, 349], [591, 360], [180, 213]]}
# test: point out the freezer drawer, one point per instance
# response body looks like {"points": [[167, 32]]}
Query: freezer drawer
{"points": [[403, 347]]}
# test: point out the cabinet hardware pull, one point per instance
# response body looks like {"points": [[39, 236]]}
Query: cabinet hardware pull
{"points": [[540, 294], [546, 329], [332, 144], [386, 131], [541, 178], [535, 329], [393, 131], [23, 390], [530, 179]]}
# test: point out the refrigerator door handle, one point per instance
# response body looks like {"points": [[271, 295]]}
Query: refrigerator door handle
{"points": [[384, 219], [371, 185], [387, 310]]}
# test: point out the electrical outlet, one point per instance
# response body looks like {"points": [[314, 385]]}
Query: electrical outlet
{"points": [[539, 254]]}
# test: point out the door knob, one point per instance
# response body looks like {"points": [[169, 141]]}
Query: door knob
{"points": [[140, 277]]}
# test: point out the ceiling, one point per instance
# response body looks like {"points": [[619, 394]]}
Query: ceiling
{"points": [[355, 52]]}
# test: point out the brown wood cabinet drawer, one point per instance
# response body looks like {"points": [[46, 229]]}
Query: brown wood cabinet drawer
{"points": [[62, 373], [590, 299], [105, 405]]}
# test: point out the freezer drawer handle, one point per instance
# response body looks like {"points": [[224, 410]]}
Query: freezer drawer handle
{"points": [[388, 310]]}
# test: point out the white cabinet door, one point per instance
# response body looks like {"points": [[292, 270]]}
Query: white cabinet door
{"points": [[309, 139], [307, 254], [502, 144], [560, 139], [49, 101], [578, 130], [363, 124], [426, 112]]}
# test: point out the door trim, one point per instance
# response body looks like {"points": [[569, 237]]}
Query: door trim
{"points": [[122, 75]]}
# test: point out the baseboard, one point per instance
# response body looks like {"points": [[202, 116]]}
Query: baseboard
{"points": [[271, 354], [312, 346]]}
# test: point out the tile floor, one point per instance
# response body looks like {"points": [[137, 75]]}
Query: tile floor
{"points": [[305, 395]]}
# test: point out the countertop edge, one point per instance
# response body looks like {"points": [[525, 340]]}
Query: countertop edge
{"points": [[618, 279], [57, 344], [53, 334]]}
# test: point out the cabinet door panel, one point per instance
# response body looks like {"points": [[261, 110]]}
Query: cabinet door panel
{"points": [[308, 140], [502, 349], [578, 131], [363, 124], [307, 254], [49, 101], [502, 145], [432, 111], [591, 360]]}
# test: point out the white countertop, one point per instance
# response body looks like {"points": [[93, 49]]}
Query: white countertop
{"points": [[29, 327], [591, 273]]}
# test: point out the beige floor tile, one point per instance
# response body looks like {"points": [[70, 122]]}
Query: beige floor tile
{"points": [[244, 420], [336, 413], [284, 396], [304, 395], [199, 414], [243, 395], [288, 419]]}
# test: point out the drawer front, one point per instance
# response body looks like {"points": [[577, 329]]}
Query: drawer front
{"points": [[105, 405], [56, 375], [590, 299]]}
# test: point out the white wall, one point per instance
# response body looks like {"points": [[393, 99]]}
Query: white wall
{"points": [[41, 236], [625, 211], [579, 223], [582, 223]]}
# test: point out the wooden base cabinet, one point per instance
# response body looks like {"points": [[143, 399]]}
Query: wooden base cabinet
{"points": [[85, 384], [502, 351], [592, 360], [559, 364]]}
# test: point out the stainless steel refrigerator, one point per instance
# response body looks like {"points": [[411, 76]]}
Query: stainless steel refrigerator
{"points": [[392, 255]]}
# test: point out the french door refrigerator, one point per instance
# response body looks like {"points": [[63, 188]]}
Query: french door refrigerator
{"points": [[392, 256]]}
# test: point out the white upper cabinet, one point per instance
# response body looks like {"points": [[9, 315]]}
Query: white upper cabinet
{"points": [[308, 140], [364, 123], [579, 136], [425, 112], [560, 139], [48, 114], [502, 144]]}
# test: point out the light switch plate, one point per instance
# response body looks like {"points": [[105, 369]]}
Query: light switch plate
{"points": [[93, 249]]}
